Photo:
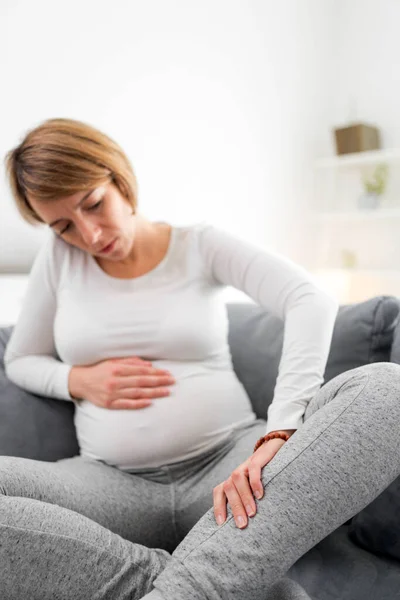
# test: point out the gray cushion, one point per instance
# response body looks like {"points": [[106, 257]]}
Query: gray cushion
{"points": [[395, 353], [363, 334], [377, 527], [32, 426]]}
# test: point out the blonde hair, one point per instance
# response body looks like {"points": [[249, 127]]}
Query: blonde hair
{"points": [[61, 157]]}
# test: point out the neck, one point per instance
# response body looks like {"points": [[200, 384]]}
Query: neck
{"points": [[147, 237]]}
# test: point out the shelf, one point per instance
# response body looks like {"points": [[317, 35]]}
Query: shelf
{"points": [[357, 215], [359, 159], [356, 272]]}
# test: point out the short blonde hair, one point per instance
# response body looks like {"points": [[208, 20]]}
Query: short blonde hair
{"points": [[61, 157]]}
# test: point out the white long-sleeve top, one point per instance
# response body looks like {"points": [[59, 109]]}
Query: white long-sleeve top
{"points": [[76, 314]]}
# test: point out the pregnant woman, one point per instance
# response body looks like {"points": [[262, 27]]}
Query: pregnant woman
{"points": [[169, 497]]}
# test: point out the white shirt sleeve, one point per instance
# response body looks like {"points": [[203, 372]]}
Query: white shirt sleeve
{"points": [[30, 359], [288, 291]]}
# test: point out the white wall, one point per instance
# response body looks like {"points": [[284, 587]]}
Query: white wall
{"points": [[366, 87], [367, 77], [221, 104]]}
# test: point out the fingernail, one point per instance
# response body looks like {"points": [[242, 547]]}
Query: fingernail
{"points": [[258, 494], [250, 510], [220, 519], [240, 522]]}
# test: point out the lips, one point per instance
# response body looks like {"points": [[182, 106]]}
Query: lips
{"points": [[108, 247]]}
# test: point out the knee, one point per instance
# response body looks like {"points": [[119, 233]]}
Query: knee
{"points": [[387, 372], [380, 380], [10, 476]]}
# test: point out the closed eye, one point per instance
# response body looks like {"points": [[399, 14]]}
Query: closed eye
{"points": [[93, 207]]}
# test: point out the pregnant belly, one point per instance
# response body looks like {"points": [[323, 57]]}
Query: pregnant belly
{"points": [[203, 408]]}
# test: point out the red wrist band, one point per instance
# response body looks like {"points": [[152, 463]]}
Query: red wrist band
{"points": [[270, 436]]}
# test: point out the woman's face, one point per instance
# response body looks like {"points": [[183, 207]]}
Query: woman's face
{"points": [[99, 222]]}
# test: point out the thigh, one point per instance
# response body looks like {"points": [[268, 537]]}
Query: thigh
{"points": [[195, 491], [124, 503], [51, 553], [195, 496]]}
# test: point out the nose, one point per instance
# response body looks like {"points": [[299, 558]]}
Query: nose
{"points": [[90, 232]]}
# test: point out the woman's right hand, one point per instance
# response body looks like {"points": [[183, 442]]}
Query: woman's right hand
{"points": [[120, 383]]}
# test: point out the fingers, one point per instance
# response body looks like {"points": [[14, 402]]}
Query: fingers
{"points": [[126, 404], [149, 381], [140, 365], [140, 376], [132, 369], [123, 380], [238, 493], [240, 480], [128, 385], [132, 360], [255, 466], [127, 391], [240, 497], [145, 394], [244, 483], [258, 460], [219, 500], [138, 398], [235, 502]]}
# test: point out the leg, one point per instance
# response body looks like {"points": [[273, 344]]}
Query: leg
{"points": [[62, 527], [51, 553], [197, 479], [128, 505], [344, 455]]}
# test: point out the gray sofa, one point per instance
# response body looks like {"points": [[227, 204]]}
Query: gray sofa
{"points": [[358, 561]]}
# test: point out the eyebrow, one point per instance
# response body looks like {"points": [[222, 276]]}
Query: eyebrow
{"points": [[77, 206]]}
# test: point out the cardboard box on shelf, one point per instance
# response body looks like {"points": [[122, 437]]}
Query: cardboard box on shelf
{"points": [[357, 138]]}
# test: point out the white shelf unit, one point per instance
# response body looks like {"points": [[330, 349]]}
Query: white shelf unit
{"points": [[359, 158], [339, 228], [360, 215]]}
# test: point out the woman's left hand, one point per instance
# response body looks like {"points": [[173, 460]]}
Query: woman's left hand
{"points": [[245, 481]]}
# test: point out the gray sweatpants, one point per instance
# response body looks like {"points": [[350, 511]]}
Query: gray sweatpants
{"points": [[79, 529]]}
